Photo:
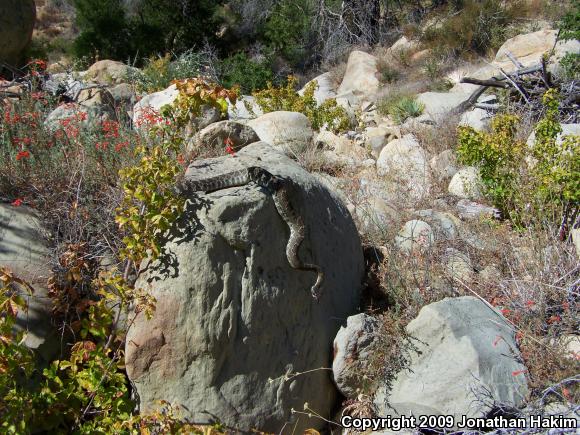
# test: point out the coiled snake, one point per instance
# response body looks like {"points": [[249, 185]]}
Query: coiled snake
{"points": [[280, 189]]}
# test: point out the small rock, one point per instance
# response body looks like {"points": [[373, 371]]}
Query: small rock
{"points": [[245, 108], [99, 99], [85, 116], [444, 165], [215, 135], [575, 233], [491, 274], [340, 144], [457, 265], [477, 119], [571, 344], [444, 224], [378, 137], [326, 88], [415, 236], [466, 184], [567, 130], [352, 350], [153, 103], [474, 210], [376, 216], [439, 104]]}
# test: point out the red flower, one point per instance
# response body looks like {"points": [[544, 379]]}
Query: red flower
{"points": [[230, 150], [530, 304], [22, 155], [17, 202], [119, 146], [505, 311], [518, 372]]}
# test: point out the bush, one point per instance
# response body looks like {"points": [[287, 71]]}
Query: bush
{"points": [[118, 176], [400, 107], [529, 184], [152, 27], [242, 71], [160, 71], [498, 155], [103, 28], [287, 29], [478, 27], [286, 98], [570, 30]]}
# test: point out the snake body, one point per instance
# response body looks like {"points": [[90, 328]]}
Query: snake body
{"points": [[280, 189]]}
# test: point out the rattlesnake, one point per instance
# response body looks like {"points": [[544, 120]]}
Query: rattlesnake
{"points": [[280, 189]]}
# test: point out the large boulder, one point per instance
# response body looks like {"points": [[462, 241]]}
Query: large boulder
{"points": [[325, 90], [406, 164], [97, 99], [287, 130], [152, 104], [360, 81], [438, 105], [24, 251], [466, 183], [17, 18], [466, 361], [109, 72], [234, 321]]}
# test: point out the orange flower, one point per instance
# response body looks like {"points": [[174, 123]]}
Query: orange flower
{"points": [[22, 155]]}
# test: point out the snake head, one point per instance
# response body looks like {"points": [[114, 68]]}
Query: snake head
{"points": [[263, 178]]}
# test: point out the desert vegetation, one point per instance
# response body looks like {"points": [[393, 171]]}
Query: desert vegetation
{"points": [[442, 207]]}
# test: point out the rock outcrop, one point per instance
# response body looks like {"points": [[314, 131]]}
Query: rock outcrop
{"points": [[360, 82], [466, 362], [23, 250], [287, 130], [234, 321]]}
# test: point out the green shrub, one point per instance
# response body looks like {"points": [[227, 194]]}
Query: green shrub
{"points": [[287, 98], [570, 30], [478, 27], [159, 72], [497, 155], [287, 29], [529, 184], [153, 27], [388, 73], [558, 164], [400, 107], [103, 29], [249, 75]]}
